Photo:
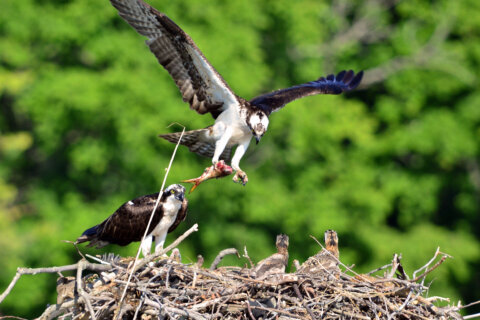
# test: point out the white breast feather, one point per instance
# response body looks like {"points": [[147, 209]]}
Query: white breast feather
{"points": [[170, 210]]}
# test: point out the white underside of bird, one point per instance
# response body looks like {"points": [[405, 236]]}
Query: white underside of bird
{"points": [[230, 128], [170, 210]]}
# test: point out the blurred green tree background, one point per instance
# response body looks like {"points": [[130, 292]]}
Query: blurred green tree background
{"points": [[393, 167]]}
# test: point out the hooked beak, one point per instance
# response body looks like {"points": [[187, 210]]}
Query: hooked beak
{"points": [[258, 139], [180, 196]]}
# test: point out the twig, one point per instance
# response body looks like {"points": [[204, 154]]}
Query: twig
{"points": [[71, 267], [296, 264], [98, 260], [278, 311], [75, 244], [300, 297], [249, 309], [208, 303], [379, 268], [394, 267], [187, 313], [175, 243], [80, 290], [351, 315], [470, 304], [246, 256], [472, 316], [140, 304], [58, 309], [444, 257], [221, 255], [120, 303]]}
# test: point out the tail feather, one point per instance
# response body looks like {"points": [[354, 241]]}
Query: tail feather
{"points": [[197, 142], [92, 236], [88, 235]]}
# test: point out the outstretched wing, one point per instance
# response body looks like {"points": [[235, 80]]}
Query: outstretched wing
{"points": [[200, 84], [129, 222], [273, 101]]}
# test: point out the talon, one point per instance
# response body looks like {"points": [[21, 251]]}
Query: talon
{"points": [[240, 177]]}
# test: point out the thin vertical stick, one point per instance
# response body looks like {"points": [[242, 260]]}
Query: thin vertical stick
{"points": [[148, 226]]}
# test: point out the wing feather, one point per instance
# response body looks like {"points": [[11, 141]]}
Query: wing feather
{"points": [[198, 81], [198, 142], [273, 101], [129, 222]]}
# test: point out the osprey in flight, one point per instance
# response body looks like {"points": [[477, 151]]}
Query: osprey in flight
{"points": [[236, 120], [129, 222]]}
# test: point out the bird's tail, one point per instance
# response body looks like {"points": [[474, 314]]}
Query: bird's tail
{"points": [[197, 141], [88, 235], [92, 236]]}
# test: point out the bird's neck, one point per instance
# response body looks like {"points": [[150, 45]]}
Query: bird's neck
{"points": [[333, 248], [171, 204]]}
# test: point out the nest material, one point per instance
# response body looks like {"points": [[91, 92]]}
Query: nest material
{"points": [[167, 289]]}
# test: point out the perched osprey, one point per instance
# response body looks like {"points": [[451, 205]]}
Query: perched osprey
{"points": [[129, 222], [276, 263], [236, 119]]}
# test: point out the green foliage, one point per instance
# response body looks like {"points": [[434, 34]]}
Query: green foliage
{"points": [[394, 167]]}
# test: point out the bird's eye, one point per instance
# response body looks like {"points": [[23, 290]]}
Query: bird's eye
{"points": [[172, 192]]}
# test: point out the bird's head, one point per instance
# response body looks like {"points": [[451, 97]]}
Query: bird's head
{"points": [[282, 241], [258, 123], [331, 241], [175, 190]]}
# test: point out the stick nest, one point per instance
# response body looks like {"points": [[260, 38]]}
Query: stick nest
{"points": [[168, 289]]}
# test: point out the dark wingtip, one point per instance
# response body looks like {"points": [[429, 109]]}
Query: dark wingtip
{"points": [[340, 75], [355, 81]]}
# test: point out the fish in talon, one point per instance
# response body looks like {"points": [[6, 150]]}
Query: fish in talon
{"points": [[218, 170]]}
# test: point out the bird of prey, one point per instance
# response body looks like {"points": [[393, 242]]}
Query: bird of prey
{"points": [[237, 120], [129, 222], [326, 261], [276, 263]]}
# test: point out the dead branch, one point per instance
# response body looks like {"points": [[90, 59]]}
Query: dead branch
{"points": [[221, 255], [22, 271]]}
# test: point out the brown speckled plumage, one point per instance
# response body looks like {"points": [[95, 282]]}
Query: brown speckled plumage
{"points": [[326, 261], [276, 263]]}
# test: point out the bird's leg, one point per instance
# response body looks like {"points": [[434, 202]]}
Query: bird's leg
{"points": [[221, 144], [240, 175], [146, 245], [159, 242]]}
